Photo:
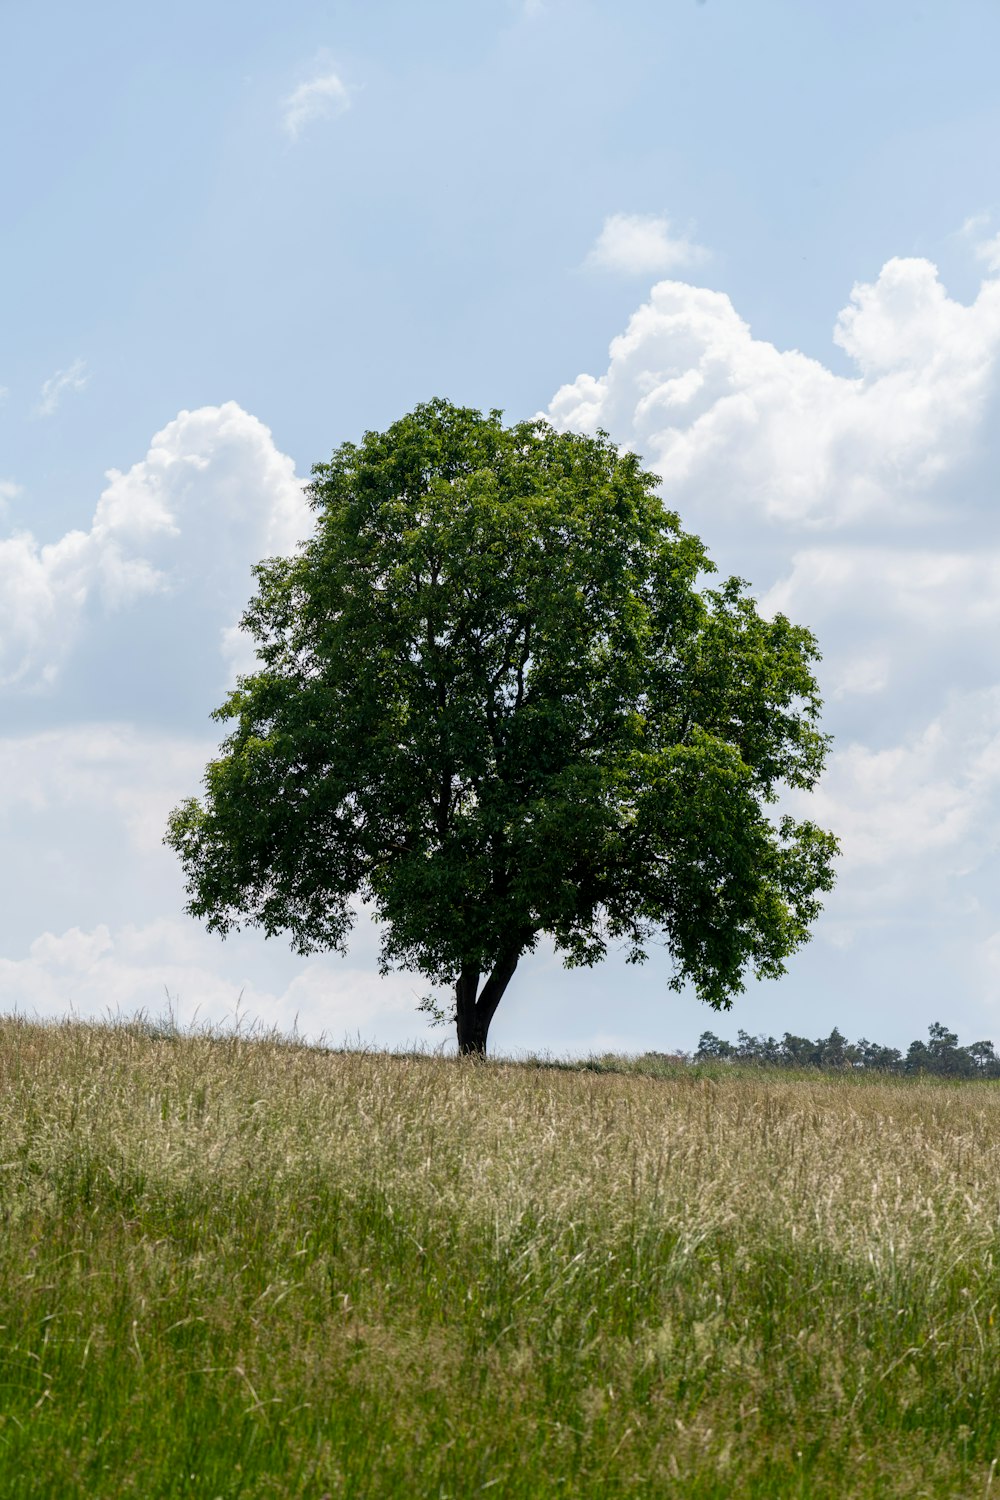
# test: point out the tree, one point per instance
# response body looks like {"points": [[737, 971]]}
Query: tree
{"points": [[881, 1059], [941, 1055], [985, 1059], [831, 1050], [801, 1052], [712, 1048], [492, 703]]}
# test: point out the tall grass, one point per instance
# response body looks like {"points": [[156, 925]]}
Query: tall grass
{"points": [[235, 1267]]}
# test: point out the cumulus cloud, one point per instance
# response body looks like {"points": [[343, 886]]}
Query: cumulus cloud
{"points": [[759, 432], [642, 244], [320, 98], [210, 498], [214, 479], [53, 389]]}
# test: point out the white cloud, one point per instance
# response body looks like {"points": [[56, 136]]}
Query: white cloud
{"points": [[904, 622], [878, 488], [921, 588], [926, 808], [864, 675], [43, 592], [213, 481], [751, 431], [8, 491], [124, 778], [169, 966], [985, 246], [210, 498], [319, 99], [989, 253], [83, 810], [53, 389], [642, 244]]}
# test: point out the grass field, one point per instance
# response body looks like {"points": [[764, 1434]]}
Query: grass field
{"points": [[236, 1267]]}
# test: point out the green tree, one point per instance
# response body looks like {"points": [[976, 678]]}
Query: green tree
{"points": [[985, 1059], [881, 1059], [492, 702], [801, 1052], [713, 1048]]}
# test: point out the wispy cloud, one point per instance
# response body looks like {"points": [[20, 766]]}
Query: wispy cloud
{"points": [[53, 389], [8, 491], [985, 247], [642, 243], [320, 98]]}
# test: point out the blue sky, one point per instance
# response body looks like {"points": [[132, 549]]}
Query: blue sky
{"points": [[761, 244]]}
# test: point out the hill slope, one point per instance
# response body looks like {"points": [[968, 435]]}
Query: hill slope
{"points": [[235, 1267]]}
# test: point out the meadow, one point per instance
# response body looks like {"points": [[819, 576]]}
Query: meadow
{"points": [[234, 1266]]}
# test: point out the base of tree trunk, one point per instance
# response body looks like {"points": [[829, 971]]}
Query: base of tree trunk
{"points": [[472, 1040], [474, 1011]]}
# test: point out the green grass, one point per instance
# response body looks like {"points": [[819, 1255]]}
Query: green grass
{"points": [[235, 1267]]}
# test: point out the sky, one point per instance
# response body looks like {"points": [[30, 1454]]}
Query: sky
{"points": [[759, 244]]}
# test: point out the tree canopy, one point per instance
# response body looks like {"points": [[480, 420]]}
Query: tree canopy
{"points": [[941, 1055], [493, 702]]}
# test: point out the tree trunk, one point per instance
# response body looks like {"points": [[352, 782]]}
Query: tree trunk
{"points": [[473, 1014], [472, 1030], [469, 1039]]}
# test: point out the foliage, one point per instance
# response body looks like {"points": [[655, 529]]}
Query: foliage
{"points": [[235, 1269], [940, 1055], [493, 704]]}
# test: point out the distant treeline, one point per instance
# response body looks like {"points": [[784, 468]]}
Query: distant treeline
{"points": [[940, 1054]]}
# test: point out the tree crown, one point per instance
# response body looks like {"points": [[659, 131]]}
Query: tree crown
{"points": [[492, 702]]}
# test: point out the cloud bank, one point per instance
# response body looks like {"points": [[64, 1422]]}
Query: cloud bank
{"points": [[862, 504], [210, 498]]}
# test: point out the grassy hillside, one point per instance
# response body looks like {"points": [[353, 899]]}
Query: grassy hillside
{"points": [[240, 1268]]}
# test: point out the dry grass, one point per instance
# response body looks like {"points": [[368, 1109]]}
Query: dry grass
{"points": [[237, 1267]]}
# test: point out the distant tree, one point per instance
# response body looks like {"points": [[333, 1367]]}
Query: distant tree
{"points": [[712, 1048], [919, 1058], [947, 1057], [832, 1050], [800, 1052], [984, 1059], [493, 703], [939, 1055], [747, 1047], [758, 1049], [880, 1059]]}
